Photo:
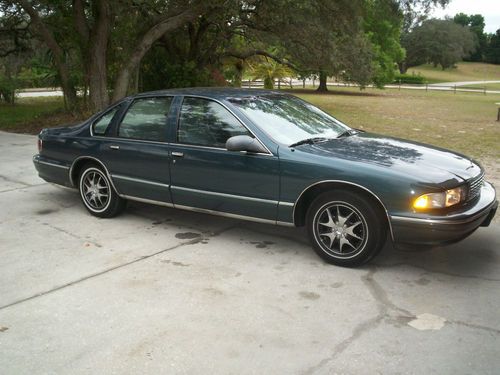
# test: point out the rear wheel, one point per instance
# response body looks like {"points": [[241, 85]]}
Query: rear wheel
{"points": [[346, 229], [97, 194]]}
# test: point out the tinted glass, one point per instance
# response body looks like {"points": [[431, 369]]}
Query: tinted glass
{"points": [[207, 123], [146, 119], [102, 124], [288, 119]]}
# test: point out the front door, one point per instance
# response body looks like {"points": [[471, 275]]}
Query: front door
{"points": [[205, 175], [137, 155]]}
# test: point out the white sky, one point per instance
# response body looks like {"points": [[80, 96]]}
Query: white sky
{"points": [[489, 9]]}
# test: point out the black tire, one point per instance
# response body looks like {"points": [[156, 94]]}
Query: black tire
{"points": [[97, 193], [345, 228]]}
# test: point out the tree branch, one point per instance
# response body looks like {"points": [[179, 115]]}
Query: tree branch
{"points": [[80, 20], [166, 24], [256, 52]]}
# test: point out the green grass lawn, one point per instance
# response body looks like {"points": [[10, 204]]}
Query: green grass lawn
{"points": [[465, 71], [464, 122], [27, 110]]}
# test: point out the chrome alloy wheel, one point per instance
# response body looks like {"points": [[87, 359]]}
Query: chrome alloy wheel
{"points": [[94, 188], [340, 229]]}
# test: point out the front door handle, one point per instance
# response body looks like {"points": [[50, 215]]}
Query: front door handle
{"points": [[177, 154], [114, 147]]}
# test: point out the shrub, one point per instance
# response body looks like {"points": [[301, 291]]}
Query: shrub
{"points": [[409, 79], [8, 88]]}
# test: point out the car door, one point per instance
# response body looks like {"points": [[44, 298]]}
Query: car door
{"points": [[137, 155], [204, 175]]}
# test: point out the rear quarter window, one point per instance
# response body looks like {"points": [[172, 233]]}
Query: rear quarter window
{"points": [[102, 124]]}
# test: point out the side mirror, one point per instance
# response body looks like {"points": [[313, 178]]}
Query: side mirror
{"points": [[244, 143]]}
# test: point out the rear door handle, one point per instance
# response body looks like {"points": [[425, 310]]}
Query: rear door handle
{"points": [[178, 154], [114, 147]]}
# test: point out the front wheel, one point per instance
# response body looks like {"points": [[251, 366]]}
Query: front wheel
{"points": [[345, 228], [97, 194]]}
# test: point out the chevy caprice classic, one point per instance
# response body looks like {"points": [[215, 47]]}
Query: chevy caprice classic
{"points": [[269, 157]]}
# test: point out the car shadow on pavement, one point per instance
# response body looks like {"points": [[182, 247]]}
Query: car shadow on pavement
{"points": [[476, 257]]}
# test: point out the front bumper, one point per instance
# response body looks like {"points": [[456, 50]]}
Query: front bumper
{"points": [[442, 230]]}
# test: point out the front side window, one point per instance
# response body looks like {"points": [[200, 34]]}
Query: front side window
{"points": [[102, 125], [288, 119], [207, 123], [146, 119]]}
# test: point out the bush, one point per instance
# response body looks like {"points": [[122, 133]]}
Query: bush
{"points": [[409, 79], [8, 88]]}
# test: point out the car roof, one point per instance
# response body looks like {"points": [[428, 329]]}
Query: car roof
{"points": [[212, 92]]}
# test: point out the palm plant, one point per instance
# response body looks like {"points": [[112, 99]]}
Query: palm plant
{"points": [[269, 70]]}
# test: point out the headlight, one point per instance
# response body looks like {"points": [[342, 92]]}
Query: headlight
{"points": [[440, 200]]}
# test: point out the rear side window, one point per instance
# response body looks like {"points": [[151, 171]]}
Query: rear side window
{"points": [[146, 119], [101, 126], [207, 123]]}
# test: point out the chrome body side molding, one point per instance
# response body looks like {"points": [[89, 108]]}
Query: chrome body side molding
{"points": [[242, 197], [143, 200], [139, 180], [36, 159], [206, 211]]}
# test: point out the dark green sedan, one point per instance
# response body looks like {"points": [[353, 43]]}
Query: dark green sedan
{"points": [[273, 158]]}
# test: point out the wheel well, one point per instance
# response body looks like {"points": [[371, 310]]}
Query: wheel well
{"points": [[77, 167], [307, 197]]}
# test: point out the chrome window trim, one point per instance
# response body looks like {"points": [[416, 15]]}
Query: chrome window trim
{"points": [[352, 184], [139, 180], [242, 197], [129, 106], [269, 153], [198, 146], [217, 148], [130, 139], [100, 116], [131, 100]]}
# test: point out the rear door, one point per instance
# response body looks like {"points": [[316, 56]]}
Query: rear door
{"points": [[205, 175], [137, 155]]}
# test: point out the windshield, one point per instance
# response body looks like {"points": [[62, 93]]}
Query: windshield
{"points": [[288, 119]]}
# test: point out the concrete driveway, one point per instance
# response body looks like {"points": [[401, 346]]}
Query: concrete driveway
{"points": [[163, 291]]}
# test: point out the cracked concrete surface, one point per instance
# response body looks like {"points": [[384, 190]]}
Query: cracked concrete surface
{"points": [[163, 291]]}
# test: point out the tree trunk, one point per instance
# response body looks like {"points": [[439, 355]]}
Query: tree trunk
{"points": [[98, 88], [268, 83], [238, 76], [98, 78], [144, 45], [322, 82], [58, 55], [69, 91], [403, 68]]}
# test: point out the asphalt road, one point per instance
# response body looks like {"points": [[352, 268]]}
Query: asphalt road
{"points": [[163, 291]]}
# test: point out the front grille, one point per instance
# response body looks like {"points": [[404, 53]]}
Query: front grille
{"points": [[474, 188]]}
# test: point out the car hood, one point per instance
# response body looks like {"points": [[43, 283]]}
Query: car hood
{"points": [[425, 163]]}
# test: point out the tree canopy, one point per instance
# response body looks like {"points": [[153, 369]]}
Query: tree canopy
{"points": [[440, 42], [109, 48]]}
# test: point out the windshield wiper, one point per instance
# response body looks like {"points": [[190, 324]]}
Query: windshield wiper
{"points": [[347, 133], [309, 141]]}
